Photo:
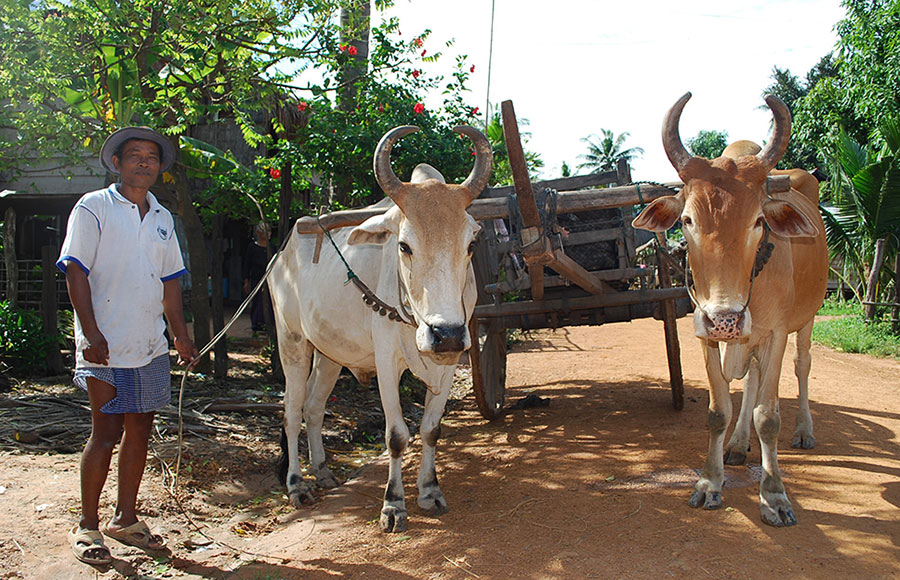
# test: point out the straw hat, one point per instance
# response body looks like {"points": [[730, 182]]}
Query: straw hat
{"points": [[113, 142]]}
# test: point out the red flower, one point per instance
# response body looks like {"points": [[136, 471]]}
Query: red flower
{"points": [[475, 111], [418, 42], [352, 51], [415, 74], [302, 106], [381, 108], [275, 173], [423, 52], [419, 108], [472, 68]]}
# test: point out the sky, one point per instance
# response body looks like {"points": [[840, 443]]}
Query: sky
{"points": [[574, 67]]}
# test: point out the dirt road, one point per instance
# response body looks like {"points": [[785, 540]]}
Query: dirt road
{"points": [[593, 486]]}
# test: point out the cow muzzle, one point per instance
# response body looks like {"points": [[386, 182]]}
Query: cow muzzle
{"points": [[721, 325], [447, 339]]}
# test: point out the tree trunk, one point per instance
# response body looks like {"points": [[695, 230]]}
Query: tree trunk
{"points": [[220, 350], [872, 282], [895, 311], [53, 358], [355, 25], [9, 255], [199, 272]]}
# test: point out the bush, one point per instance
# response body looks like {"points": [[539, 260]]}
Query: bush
{"points": [[855, 334], [23, 344]]}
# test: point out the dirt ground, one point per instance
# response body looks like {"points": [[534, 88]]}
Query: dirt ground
{"points": [[593, 486]]}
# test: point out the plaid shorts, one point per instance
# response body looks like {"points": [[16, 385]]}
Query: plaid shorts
{"points": [[141, 390]]}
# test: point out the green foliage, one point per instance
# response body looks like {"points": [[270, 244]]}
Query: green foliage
{"points": [[855, 334], [864, 200], [502, 169], [23, 344], [709, 144], [860, 87], [604, 152], [835, 305]]}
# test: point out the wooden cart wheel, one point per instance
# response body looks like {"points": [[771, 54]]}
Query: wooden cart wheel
{"points": [[488, 360]]}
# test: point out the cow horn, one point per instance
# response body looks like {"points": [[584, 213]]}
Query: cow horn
{"points": [[781, 133], [385, 176], [675, 150], [484, 159]]}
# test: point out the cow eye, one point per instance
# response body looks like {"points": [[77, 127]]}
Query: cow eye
{"points": [[471, 247], [760, 221], [686, 220], [404, 247]]}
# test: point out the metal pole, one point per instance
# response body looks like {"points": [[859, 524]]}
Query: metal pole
{"points": [[487, 96]]}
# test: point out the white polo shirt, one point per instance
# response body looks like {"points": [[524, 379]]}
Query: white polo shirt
{"points": [[126, 260]]}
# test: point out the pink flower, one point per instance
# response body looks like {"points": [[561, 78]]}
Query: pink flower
{"points": [[419, 108], [472, 68], [275, 173], [302, 106], [352, 51], [415, 74]]}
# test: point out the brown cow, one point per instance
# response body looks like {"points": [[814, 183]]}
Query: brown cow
{"points": [[729, 219]]}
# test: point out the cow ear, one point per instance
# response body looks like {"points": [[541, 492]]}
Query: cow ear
{"points": [[377, 229], [787, 220], [660, 215]]}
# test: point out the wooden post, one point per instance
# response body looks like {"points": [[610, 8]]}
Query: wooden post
{"points": [[9, 255], [48, 309], [895, 311], [623, 177], [872, 282], [220, 350], [673, 347]]}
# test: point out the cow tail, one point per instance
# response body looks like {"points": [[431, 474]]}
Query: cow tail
{"points": [[283, 461]]}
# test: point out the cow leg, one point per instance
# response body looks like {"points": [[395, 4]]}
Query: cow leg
{"points": [[295, 359], [803, 433], [431, 499], [324, 375], [394, 517], [708, 489], [739, 445], [775, 508]]}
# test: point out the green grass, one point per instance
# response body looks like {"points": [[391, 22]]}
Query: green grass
{"points": [[833, 306], [853, 334]]}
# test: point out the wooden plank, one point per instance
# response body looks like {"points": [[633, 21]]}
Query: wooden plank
{"points": [[572, 270], [673, 347], [563, 184], [558, 281], [608, 299], [525, 195], [487, 209]]}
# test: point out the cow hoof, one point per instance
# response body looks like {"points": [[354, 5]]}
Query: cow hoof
{"points": [[710, 500], [733, 457], [300, 497], [433, 504], [326, 479], [779, 515], [393, 519], [803, 441]]}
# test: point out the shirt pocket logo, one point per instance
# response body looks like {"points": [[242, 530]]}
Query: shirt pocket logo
{"points": [[163, 233]]}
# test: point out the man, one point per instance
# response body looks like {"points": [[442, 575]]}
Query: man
{"points": [[122, 264]]}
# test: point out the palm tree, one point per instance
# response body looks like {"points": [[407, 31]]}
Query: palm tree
{"points": [[603, 153], [863, 222]]}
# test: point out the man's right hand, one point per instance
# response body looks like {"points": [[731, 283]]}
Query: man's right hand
{"points": [[97, 350]]}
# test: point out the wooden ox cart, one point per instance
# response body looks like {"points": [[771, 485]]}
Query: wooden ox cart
{"points": [[565, 258]]}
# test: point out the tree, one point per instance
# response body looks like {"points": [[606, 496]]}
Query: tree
{"points": [[861, 86], [604, 153], [709, 144], [502, 169], [863, 224]]}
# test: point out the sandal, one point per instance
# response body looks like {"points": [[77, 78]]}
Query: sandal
{"points": [[137, 535], [84, 541]]}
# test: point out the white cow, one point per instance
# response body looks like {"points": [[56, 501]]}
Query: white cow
{"points": [[416, 257]]}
